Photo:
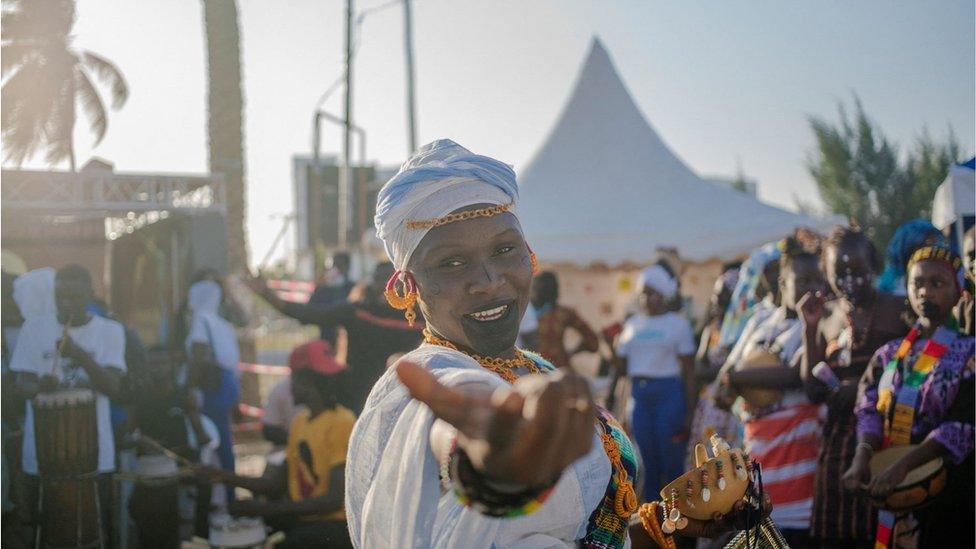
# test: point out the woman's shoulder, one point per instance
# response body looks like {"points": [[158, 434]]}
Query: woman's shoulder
{"points": [[541, 362]]}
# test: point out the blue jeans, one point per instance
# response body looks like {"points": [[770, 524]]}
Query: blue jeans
{"points": [[218, 405], [659, 417]]}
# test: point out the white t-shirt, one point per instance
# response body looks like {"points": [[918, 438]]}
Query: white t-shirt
{"points": [[652, 344], [219, 334], [36, 353], [280, 408]]}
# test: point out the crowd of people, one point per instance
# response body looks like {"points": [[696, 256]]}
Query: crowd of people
{"points": [[455, 415]]}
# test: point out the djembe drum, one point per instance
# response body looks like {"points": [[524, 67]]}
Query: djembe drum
{"points": [[755, 396], [66, 437], [155, 502], [920, 486]]}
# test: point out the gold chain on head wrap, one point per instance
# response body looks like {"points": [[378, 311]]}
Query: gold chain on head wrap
{"points": [[459, 216]]}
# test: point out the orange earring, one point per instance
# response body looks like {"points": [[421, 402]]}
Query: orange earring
{"points": [[534, 261], [405, 302]]}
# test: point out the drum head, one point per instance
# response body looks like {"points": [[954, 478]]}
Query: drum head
{"points": [[883, 459], [64, 397]]}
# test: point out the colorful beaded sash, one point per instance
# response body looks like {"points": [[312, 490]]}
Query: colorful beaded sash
{"points": [[607, 527], [898, 425]]}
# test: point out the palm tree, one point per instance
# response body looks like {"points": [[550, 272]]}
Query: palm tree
{"points": [[225, 107], [44, 78]]}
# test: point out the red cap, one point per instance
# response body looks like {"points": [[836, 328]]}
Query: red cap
{"points": [[315, 356]]}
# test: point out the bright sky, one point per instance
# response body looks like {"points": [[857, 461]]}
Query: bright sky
{"points": [[720, 81]]}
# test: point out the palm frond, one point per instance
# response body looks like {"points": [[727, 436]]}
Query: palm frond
{"points": [[28, 99], [60, 126], [108, 73], [91, 104], [22, 118]]}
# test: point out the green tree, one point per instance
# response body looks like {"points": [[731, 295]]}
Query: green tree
{"points": [[858, 173], [225, 123], [45, 77]]}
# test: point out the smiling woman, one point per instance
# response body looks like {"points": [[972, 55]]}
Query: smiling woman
{"points": [[463, 440]]}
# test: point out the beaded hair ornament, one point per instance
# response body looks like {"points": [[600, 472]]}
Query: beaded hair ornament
{"points": [[944, 256], [408, 300]]}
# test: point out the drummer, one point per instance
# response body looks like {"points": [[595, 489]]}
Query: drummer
{"points": [[72, 348], [940, 420], [313, 478]]}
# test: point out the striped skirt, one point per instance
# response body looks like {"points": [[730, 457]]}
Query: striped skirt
{"points": [[839, 515], [786, 443]]}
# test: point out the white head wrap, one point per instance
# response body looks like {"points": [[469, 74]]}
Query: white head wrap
{"points": [[440, 178], [34, 293], [657, 278], [207, 326]]}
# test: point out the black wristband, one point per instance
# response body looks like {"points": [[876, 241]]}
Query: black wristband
{"points": [[474, 490]]}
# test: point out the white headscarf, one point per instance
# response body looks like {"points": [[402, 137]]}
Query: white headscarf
{"points": [[440, 178], [34, 293], [207, 326], [657, 278]]}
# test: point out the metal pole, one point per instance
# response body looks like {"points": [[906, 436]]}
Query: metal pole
{"points": [[316, 140], [411, 101], [345, 182]]}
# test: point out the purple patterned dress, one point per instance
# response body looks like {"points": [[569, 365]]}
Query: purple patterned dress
{"points": [[945, 413]]}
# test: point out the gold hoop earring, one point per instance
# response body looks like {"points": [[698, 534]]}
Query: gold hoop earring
{"points": [[405, 302]]}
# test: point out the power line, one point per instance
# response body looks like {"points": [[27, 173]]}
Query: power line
{"points": [[357, 40]]}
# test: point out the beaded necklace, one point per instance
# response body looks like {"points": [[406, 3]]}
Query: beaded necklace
{"points": [[504, 367], [607, 525]]}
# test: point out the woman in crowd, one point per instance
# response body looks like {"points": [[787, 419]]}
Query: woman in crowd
{"points": [[658, 347], [554, 321], [909, 237], [782, 427], [707, 419], [461, 443], [756, 293], [927, 378], [838, 340], [211, 346], [711, 355]]}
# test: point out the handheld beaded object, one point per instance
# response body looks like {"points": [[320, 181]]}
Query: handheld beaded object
{"points": [[700, 501]]}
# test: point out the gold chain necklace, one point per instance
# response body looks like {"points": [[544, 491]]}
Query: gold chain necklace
{"points": [[504, 367]]}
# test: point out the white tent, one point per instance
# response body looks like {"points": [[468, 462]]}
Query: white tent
{"points": [[605, 189], [955, 199]]}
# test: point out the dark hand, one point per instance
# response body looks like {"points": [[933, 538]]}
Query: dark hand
{"points": [[258, 284], [812, 308], [882, 485], [247, 508], [48, 383], [208, 473], [736, 519], [856, 475], [527, 434], [69, 349]]}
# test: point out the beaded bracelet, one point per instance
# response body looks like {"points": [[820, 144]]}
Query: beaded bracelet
{"points": [[473, 490]]}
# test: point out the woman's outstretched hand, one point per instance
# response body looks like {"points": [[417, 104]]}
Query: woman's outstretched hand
{"points": [[527, 434]]}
